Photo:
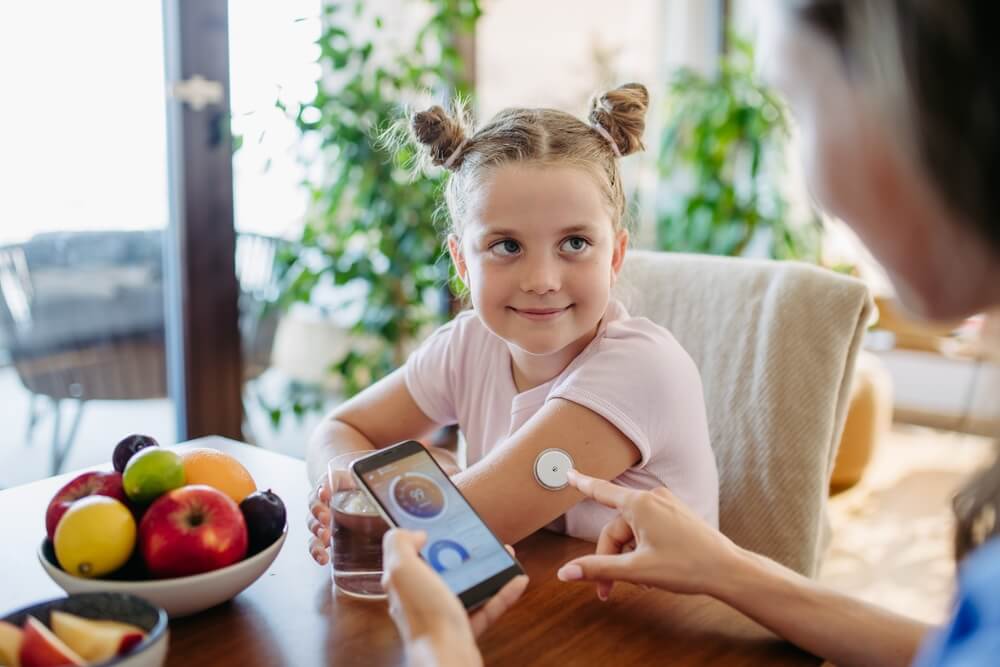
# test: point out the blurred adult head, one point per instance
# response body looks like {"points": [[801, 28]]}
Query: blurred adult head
{"points": [[898, 103]]}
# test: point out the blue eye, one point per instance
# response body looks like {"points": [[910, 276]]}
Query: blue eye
{"points": [[506, 248], [575, 244]]}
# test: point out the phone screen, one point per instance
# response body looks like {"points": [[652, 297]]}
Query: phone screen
{"points": [[416, 494]]}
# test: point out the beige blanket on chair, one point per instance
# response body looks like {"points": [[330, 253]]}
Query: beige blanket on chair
{"points": [[776, 344]]}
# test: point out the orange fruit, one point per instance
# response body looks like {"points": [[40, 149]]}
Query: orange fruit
{"points": [[218, 470]]}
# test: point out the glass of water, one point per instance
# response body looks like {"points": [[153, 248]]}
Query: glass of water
{"points": [[355, 533]]}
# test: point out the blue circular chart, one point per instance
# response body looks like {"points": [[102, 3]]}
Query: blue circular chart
{"points": [[446, 555]]}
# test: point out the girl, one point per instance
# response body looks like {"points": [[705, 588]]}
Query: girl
{"points": [[545, 357]]}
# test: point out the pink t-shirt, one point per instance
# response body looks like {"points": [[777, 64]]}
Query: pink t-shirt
{"points": [[634, 374]]}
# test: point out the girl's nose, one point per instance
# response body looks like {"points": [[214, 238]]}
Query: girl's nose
{"points": [[541, 277]]}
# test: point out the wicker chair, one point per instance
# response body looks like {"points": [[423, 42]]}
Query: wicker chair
{"points": [[81, 316]]}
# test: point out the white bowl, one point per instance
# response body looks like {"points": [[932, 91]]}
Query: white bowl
{"points": [[121, 607], [179, 596]]}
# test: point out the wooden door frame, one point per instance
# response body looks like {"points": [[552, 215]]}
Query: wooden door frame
{"points": [[203, 342]]}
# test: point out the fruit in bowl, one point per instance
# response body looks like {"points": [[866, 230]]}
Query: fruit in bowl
{"points": [[218, 470], [74, 640], [11, 638], [95, 640], [265, 517], [128, 447], [39, 646], [95, 537], [201, 523], [151, 473], [178, 596], [88, 484], [105, 628], [191, 530]]}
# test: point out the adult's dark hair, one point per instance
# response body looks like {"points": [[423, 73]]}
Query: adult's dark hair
{"points": [[933, 63]]}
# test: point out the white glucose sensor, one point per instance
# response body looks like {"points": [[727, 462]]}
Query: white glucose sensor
{"points": [[550, 469]]}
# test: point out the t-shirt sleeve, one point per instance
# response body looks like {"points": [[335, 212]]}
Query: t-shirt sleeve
{"points": [[643, 382], [429, 373]]}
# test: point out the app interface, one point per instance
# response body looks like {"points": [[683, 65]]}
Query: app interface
{"points": [[415, 493]]}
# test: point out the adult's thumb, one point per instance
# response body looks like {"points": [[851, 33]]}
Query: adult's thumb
{"points": [[591, 568]]}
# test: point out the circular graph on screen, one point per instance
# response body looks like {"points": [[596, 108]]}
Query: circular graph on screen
{"points": [[417, 495], [446, 555]]}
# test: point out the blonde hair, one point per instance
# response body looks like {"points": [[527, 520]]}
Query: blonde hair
{"points": [[537, 137]]}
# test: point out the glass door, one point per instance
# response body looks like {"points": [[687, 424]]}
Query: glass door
{"points": [[82, 221]]}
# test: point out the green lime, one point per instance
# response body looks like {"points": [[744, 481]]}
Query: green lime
{"points": [[152, 472]]}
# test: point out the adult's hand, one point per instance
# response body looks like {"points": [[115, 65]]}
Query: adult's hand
{"points": [[426, 611], [655, 541]]}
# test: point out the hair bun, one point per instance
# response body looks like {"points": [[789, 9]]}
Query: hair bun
{"points": [[441, 134], [622, 113]]}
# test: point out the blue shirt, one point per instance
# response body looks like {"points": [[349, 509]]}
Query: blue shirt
{"points": [[972, 637]]}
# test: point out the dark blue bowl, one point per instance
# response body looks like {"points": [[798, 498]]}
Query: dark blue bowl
{"points": [[120, 607]]}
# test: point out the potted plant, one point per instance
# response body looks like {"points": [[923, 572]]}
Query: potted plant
{"points": [[372, 231], [722, 162]]}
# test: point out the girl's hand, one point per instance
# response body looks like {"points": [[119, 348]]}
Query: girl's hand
{"points": [[319, 521], [424, 608], [319, 508], [654, 541]]}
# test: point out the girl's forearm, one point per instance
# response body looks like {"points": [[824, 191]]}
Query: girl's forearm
{"points": [[833, 626], [447, 460], [332, 437]]}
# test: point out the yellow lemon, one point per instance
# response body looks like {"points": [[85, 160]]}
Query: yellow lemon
{"points": [[95, 537], [218, 470]]}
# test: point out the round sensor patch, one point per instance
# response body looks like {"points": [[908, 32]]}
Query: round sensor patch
{"points": [[417, 495], [550, 469]]}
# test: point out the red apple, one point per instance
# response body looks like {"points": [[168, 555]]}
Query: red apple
{"points": [[87, 484], [192, 529], [95, 641], [41, 648]]}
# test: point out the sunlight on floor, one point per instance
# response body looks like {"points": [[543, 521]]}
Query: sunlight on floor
{"points": [[892, 534]]}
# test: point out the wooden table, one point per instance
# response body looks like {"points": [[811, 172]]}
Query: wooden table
{"points": [[290, 617]]}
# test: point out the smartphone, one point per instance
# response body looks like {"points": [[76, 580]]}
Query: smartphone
{"points": [[411, 491]]}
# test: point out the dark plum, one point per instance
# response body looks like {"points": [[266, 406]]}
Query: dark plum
{"points": [[129, 447], [265, 516]]}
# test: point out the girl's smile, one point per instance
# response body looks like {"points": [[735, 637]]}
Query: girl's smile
{"points": [[540, 314]]}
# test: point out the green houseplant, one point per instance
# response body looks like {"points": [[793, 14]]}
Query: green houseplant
{"points": [[372, 224], [722, 159]]}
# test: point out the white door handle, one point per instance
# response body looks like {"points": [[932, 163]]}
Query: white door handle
{"points": [[197, 92]]}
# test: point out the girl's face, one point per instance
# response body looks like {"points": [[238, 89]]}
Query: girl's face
{"points": [[858, 170], [539, 255]]}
